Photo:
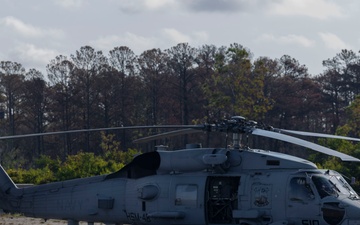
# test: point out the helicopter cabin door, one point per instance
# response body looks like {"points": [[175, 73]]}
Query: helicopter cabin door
{"points": [[302, 204], [221, 199]]}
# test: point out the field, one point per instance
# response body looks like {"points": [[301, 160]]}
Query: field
{"points": [[8, 219]]}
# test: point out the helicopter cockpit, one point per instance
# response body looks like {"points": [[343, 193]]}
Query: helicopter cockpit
{"points": [[327, 183], [331, 183], [324, 196]]}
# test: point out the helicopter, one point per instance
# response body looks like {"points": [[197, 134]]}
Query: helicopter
{"points": [[196, 186]]}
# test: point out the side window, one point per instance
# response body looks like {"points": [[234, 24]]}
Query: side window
{"points": [[300, 190], [186, 195], [324, 186]]}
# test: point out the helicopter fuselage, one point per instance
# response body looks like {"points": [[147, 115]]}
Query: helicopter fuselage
{"points": [[196, 186]]}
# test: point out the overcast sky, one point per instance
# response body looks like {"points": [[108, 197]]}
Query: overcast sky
{"points": [[34, 32]]}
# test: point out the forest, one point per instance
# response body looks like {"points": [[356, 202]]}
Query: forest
{"points": [[179, 85]]}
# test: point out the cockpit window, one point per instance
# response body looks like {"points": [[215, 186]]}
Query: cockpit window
{"points": [[300, 190], [343, 187], [324, 186], [332, 183]]}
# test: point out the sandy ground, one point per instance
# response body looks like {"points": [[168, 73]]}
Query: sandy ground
{"points": [[7, 219]]}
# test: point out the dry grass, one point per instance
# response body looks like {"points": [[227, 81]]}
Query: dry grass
{"points": [[10, 219]]}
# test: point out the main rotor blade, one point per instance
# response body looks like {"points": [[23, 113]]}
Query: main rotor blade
{"points": [[167, 134], [307, 144], [102, 129], [311, 134]]}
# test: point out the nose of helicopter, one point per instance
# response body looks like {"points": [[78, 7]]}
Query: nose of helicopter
{"points": [[351, 209]]}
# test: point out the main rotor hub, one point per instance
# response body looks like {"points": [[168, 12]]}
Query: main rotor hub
{"points": [[235, 125]]}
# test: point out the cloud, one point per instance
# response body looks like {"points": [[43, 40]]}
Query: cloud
{"points": [[69, 3], [28, 30], [135, 42], [218, 5], [201, 36], [131, 6], [288, 39], [138, 43], [158, 4], [176, 37], [33, 54], [319, 9], [332, 41]]}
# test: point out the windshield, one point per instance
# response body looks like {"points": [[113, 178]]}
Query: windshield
{"points": [[332, 184], [324, 186], [343, 187]]}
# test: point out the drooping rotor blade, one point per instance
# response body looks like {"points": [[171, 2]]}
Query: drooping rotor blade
{"points": [[102, 129], [307, 144], [311, 134], [167, 134]]}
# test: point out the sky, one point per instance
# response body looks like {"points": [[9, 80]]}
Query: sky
{"points": [[34, 32]]}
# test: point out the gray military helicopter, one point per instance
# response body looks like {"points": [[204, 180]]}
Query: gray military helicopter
{"points": [[193, 186]]}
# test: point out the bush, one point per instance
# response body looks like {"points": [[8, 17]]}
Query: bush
{"points": [[31, 176], [80, 165]]}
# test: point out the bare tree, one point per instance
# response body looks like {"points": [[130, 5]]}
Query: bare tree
{"points": [[181, 64], [123, 60], [88, 65], [33, 106], [60, 71]]}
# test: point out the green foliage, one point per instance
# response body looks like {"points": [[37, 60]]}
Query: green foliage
{"points": [[236, 86], [13, 159], [76, 166], [351, 128], [82, 165], [32, 176], [121, 157], [111, 152], [353, 119], [45, 161], [108, 143]]}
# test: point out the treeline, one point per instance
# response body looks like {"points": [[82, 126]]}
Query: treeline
{"points": [[179, 85]]}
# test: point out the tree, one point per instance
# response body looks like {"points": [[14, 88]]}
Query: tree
{"points": [[11, 89], [294, 98], [33, 105], [181, 64], [270, 69], [339, 85], [123, 60], [294, 94], [237, 87], [89, 64], [206, 60], [350, 128], [12, 76], [60, 71], [155, 75], [341, 65]]}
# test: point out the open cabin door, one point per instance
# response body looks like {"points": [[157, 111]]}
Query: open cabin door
{"points": [[221, 199]]}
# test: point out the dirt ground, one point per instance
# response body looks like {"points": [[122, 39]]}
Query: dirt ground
{"points": [[7, 219]]}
